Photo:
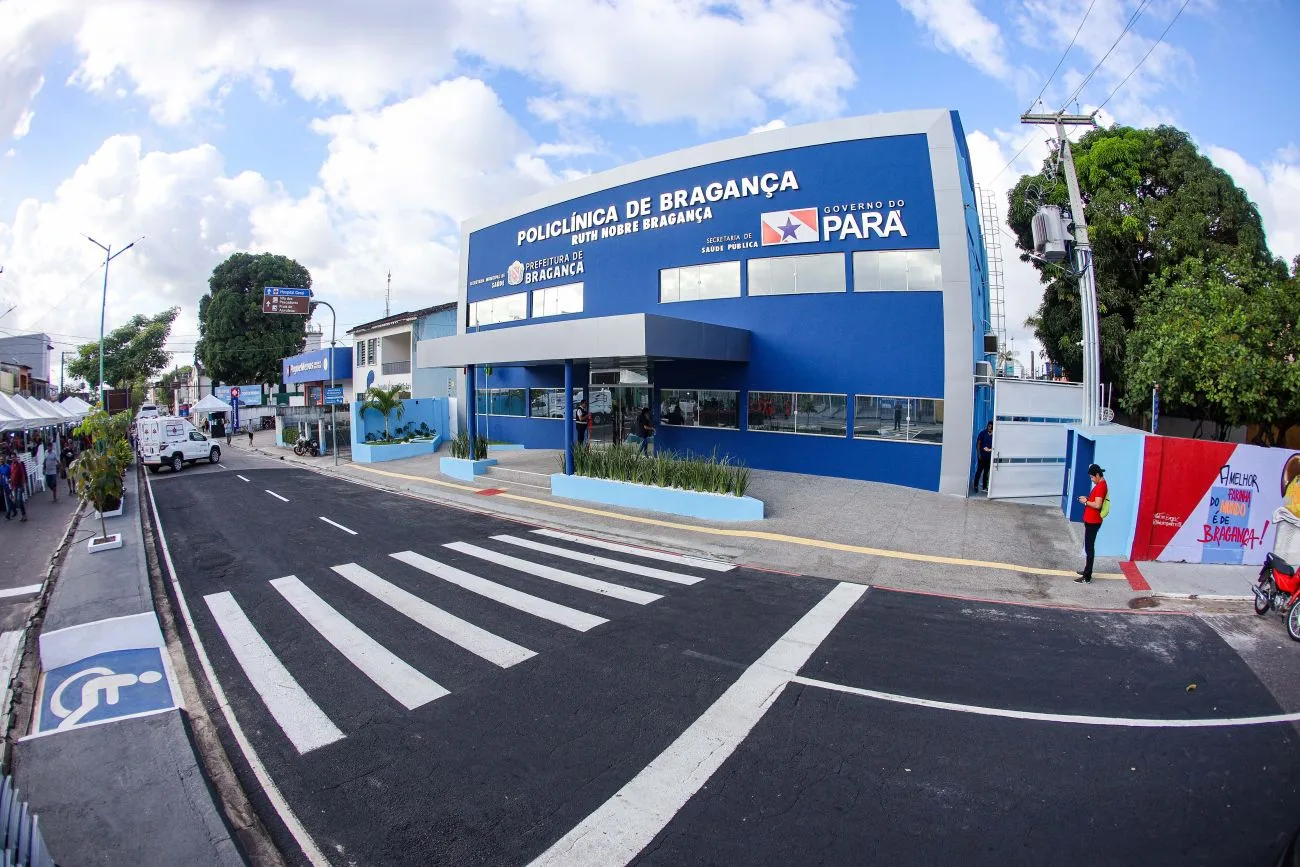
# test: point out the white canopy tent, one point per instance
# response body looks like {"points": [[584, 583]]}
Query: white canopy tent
{"points": [[54, 409], [75, 405], [210, 403], [15, 405], [10, 420], [46, 415]]}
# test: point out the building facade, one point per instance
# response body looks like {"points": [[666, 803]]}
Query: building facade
{"points": [[31, 350], [384, 350], [812, 299]]}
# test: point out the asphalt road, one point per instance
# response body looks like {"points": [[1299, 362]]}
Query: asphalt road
{"points": [[523, 718]]}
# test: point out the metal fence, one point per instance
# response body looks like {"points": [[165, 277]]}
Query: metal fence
{"points": [[20, 835]]}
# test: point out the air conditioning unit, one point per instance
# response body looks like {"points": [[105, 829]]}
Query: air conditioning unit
{"points": [[990, 343], [1050, 234], [983, 373]]}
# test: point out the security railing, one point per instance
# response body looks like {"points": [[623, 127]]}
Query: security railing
{"points": [[397, 367], [20, 835]]}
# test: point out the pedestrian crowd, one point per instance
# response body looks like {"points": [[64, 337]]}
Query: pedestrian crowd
{"points": [[23, 459]]}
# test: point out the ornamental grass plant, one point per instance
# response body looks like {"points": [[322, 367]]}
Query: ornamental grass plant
{"points": [[624, 463]]}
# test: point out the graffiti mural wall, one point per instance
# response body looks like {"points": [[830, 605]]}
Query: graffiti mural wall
{"points": [[1210, 502]]}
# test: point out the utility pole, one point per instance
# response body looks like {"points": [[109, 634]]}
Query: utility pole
{"points": [[388, 294], [1083, 261]]}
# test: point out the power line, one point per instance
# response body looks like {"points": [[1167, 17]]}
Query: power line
{"points": [[1137, 13], [1144, 57], [1063, 56]]}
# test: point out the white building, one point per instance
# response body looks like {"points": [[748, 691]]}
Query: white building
{"points": [[383, 350]]}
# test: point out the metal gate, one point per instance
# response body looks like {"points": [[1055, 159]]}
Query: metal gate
{"points": [[1029, 420]]}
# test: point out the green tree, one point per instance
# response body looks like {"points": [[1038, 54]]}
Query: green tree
{"points": [[1152, 201], [99, 471], [239, 343], [1221, 340], [132, 352], [168, 381], [386, 401]]}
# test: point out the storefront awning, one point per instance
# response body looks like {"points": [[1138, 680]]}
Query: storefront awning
{"points": [[632, 335]]}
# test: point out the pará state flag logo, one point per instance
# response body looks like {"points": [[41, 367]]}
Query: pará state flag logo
{"points": [[790, 227]]}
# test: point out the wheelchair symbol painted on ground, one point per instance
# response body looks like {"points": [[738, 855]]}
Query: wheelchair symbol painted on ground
{"points": [[106, 686]]}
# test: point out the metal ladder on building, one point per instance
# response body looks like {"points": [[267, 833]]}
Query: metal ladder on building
{"points": [[991, 224]]}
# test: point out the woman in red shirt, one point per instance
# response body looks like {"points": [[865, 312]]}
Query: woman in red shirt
{"points": [[1091, 520]]}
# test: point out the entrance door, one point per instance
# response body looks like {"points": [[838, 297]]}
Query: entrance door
{"points": [[1029, 437], [614, 409]]}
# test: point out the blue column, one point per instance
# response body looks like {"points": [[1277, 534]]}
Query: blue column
{"points": [[568, 417], [471, 405]]}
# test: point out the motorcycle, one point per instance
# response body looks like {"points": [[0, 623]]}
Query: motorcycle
{"points": [[307, 446], [1278, 589]]}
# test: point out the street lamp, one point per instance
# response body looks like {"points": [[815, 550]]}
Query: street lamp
{"points": [[334, 431], [109, 256]]}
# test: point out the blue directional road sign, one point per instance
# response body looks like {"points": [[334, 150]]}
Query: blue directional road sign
{"points": [[287, 290], [334, 396], [106, 686]]}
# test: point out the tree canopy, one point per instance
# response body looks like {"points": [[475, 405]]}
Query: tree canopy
{"points": [[1153, 202], [132, 352], [238, 343]]}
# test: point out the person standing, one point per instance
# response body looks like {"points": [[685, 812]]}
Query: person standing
{"points": [[645, 428], [898, 415], [250, 434], [580, 421], [50, 466], [1092, 518], [983, 459], [66, 457], [17, 487]]}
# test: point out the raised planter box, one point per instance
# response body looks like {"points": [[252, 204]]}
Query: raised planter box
{"points": [[504, 447], [114, 541], [674, 501], [368, 454], [114, 513], [463, 468]]}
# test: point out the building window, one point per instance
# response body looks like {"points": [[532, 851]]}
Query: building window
{"points": [[372, 351], [700, 282], [797, 275], [907, 419], [503, 401], [799, 412], [361, 353], [507, 308], [700, 408], [897, 271], [547, 402], [557, 300]]}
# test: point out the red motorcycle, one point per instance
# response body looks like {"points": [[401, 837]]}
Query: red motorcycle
{"points": [[1279, 589]]}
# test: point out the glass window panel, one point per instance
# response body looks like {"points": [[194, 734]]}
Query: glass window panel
{"points": [[771, 276], [771, 411], [923, 271], [557, 300], [506, 401], [797, 275], [547, 402], [718, 409], [669, 285], [893, 270], [866, 272], [824, 414], [700, 282], [508, 308], [903, 419], [677, 407]]}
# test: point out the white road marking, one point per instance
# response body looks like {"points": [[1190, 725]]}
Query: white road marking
{"points": [[664, 556], [462, 633], [1076, 719], [625, 824], [223, 466], [238, 476], [389, 672], [592, 559], [27, 590], [559, 576], [262, 775], [336, 524], [554, 612], [302, 721], [278, 497]]}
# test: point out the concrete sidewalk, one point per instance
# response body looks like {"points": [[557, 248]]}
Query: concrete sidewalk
{"points": [[833, 528]]}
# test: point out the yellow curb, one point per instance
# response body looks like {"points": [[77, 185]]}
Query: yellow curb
{"points": [[757, 534]]}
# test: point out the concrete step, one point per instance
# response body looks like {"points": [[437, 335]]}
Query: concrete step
{"points": [[518, 477]]}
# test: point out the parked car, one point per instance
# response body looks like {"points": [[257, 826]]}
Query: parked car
{"points": [[174, 442]]}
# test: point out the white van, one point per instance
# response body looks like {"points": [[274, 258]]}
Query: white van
{"points": [[173, 442]]}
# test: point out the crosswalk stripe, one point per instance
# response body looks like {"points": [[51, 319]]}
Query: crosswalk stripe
{"points": [[389, 672], [663, 556], [517, 599], [302, 721], [619, 565], [477, 641], [559, 576]]}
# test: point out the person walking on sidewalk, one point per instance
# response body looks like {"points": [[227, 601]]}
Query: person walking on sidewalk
{"points": [[983, 458], [50, 466], [66, 457], [250, 434], [645, 429], [17, 487], [1092, 518], [580, 421]]}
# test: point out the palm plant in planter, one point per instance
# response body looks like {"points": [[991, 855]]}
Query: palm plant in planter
{"points": [[386, 401], [100, 470]]}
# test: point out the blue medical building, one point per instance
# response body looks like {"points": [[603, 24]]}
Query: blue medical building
{"points": [[811, 299]]}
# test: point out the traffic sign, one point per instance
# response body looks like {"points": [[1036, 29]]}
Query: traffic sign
{"points": [[287, 291], [234, 392], [334, 396], [295, 304]]}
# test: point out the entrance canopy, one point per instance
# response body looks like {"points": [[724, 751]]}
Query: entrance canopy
{"points": [[636, 334], [210, 403]]}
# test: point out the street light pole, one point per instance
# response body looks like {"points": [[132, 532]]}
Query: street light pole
{"points": [[109, 256], [334, 432]]}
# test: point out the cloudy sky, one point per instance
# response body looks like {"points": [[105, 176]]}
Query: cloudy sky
{"points": [[354, 137]]}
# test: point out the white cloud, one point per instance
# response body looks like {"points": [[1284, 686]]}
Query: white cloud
{"points": [[961, 29], [778, 123], [1274, 187], [30, 32]]}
